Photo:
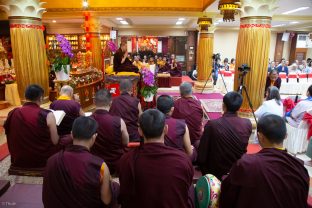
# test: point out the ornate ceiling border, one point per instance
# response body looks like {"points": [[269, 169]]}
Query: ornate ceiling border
{"points": [[114, 9]]}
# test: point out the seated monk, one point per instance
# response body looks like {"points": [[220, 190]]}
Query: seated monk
{"points": [[175, 67], [164, 67], [112, 132], [155, 175], [224, 140], [269, 178], [74, 177], [128, 108], [191, 110], [122, 62], [178, 134], [31, 132], [71, 107]]}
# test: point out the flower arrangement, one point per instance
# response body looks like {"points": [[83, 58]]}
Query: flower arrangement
{"points": [[65, 56], [149, 88], [112, 46]]}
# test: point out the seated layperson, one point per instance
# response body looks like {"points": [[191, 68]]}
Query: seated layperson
{"points": [[224, 140], [74, 177], [128, 108], [283, 68], [269, 178], [272, 105], [273, 80], [31, 132], [122, 62], [137, 62], [191, 110], [155, 175], [112, 132], [295, 116], [175, 68], [178, 134], [71, 107]]}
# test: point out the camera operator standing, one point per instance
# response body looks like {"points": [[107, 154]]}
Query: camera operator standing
{"points": [[216, 67]]}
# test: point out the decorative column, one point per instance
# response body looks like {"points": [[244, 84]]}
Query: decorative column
{"points": [[28, 44], [253, 49], [204, 54], [93, 29]]}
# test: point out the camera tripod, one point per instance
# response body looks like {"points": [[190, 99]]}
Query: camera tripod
{"points": [[217, 80], [242, 88]]}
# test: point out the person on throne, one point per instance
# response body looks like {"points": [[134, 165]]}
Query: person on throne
{"points": [[122, 62], [175, 68]]}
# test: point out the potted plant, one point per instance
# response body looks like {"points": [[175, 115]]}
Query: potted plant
{"points": [[149, 89], [61, 63], [112, 48]]}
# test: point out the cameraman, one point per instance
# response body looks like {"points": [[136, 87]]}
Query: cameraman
{"points": [[215, 70]]}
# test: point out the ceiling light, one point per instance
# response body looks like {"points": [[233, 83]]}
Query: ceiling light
{"points": [[220, 20], [119, 18], [179, 23], [124, 22], [181, 19], [54, 21], [296, 10], [85, 3], [294, 22], [278, 25], [216, 23]]}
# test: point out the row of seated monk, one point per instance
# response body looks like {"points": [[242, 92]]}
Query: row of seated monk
{"points": [[159, 173], [123, 63]]}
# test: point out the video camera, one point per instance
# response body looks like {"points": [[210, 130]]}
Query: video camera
{"points": [[244, 68]]}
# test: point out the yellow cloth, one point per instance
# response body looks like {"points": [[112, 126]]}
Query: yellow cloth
{"points": [[127, 74], [64, 97], [102, 172], [138, 64], [11, 94], [109, 69]]}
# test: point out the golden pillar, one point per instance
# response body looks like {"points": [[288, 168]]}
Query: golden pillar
{"points": [[253, 49], [204, 54], [28, 44], [95, 40]]}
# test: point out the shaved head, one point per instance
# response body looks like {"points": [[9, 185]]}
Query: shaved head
{"points": [[103, 98], [125, 85], [185, 89], [67, 90]]}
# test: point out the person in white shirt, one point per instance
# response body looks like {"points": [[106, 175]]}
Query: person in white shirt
{"points": [[272, 105], [295, 116]]}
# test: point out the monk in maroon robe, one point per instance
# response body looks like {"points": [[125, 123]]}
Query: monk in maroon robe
{"points": [[225, 139], [178, 134], [164, 66], [112, 132], [74, 177], [128, 108], [269, 178], [122, 62], [191, 110], [31, 132], [155, 175], [175, 67], [71, 108]]}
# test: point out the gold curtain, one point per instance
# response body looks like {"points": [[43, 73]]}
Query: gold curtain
{"points": [[204, 58], [30, 59], [253, 49], [96, 51]]}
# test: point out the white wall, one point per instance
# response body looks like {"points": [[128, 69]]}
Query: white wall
{"points": [[309, 53], [286, 51], [225, 43]]}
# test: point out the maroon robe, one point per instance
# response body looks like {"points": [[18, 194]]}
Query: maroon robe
{"points": [[176, 71], [224, 141], [175, 134], [270, 178], [190, 110], [72, 110], [164, 69], [108, 143], [126, 107], [72, 179], [28, 136], [127, 66], [154, 176]]}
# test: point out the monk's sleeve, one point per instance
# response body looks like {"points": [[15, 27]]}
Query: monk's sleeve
{"points": [[204, 148]]}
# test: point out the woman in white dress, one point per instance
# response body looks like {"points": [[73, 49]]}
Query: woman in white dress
{"points": [[272, 105]]}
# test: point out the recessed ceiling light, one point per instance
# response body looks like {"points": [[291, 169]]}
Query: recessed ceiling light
{"points": [[296, 10], [179, 23], [54, 21], [216, 23], [124, 22], [85, 3], [294, 22], [280, 25], [119, 18], [220, 20], [181, 19]]}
